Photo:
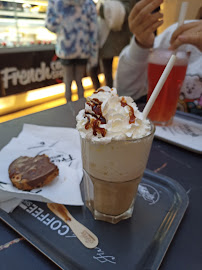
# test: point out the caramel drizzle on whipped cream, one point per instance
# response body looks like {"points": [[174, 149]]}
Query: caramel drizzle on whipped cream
{"points": [[95, 104], [99, 90], [95, 123], [131, 111]]}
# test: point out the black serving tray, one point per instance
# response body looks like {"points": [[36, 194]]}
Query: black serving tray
{"points": [[136, 243]]}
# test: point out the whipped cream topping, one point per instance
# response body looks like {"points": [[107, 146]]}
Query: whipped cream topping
{"points": [[109, 117]]}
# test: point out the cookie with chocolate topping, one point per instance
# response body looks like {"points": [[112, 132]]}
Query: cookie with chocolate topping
{"points": [[27, 173]]}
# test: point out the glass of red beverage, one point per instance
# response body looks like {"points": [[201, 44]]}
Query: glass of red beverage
{"points": [[164, 107]]}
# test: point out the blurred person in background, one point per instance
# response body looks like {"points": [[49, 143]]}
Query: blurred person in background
{"points": [[75, 24], [114, 35], [131, 76]]}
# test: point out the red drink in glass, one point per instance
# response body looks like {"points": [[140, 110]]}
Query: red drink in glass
{"points": [[165, 105]]}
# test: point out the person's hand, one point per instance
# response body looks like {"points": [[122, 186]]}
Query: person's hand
{"points": [[189, 33], [143, 23]]}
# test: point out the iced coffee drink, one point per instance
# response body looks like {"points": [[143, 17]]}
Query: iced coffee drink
{"points": [[116, 142]]}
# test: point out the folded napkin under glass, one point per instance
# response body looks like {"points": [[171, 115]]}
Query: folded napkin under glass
{"points": [[62, 145]]}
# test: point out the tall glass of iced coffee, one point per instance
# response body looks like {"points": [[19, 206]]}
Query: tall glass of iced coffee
{"points": [[116, 142]]}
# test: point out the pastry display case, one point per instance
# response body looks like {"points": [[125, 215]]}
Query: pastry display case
{"points": [[27, 48], [22, 23]]}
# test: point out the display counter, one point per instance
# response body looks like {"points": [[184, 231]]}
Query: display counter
{"points": [[30, 72], [27, 68], [27, 48]]}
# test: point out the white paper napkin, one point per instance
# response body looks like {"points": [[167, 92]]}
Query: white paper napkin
{"points": [[62, 145], [9, 205]]}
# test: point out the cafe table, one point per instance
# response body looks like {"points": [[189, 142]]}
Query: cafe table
{"points": [[178, 247]]}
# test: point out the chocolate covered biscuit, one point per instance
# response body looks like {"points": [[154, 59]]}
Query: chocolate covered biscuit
{"points": [[27, 173]]}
